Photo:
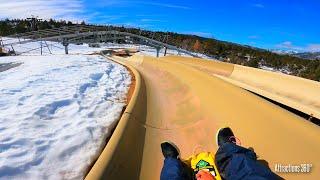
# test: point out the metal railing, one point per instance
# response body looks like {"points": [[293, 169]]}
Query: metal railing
{"points": [[83, 33]]}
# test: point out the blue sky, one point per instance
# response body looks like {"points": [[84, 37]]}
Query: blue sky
{"points": [[269, 24]]}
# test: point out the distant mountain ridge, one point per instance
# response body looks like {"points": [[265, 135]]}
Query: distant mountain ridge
{"points": [[308, 55], [285, 52], [303, 55]]}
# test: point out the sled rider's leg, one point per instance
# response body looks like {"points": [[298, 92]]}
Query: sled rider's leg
{"points": [[173, 167], [236, 162]]}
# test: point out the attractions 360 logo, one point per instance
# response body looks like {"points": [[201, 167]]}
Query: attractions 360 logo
{"points": [[301, 168]]}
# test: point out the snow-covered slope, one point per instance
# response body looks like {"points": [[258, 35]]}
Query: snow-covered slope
{"points": [[56, 112]]}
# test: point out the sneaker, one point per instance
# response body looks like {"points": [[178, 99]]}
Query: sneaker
{"points": [[225, 135], [169, 150]]}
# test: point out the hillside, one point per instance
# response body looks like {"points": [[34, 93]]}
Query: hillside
{"points": [[311, 55], [221, 50]]}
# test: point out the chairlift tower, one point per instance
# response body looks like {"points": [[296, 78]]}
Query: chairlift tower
{"points": [[33, 22], [1, 43], [65, 43]]}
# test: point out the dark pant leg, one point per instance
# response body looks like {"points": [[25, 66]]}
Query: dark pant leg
{"points": [[236, 162], [174, 169]]}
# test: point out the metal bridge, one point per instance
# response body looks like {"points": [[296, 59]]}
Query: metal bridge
{"points": [[88, 34]]}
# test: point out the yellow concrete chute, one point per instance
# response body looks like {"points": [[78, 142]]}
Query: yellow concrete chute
{"points": [[186, 100]]}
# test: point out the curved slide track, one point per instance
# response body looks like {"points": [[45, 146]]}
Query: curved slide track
{"points": [[186, 100]]}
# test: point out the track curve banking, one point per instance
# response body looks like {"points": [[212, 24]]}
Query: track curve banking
{"points": [[186, 100]]}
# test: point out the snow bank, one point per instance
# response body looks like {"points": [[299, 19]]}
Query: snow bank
{"points": [[56, 112]]}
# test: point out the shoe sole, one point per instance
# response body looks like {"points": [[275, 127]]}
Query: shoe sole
{"points": [[217, 133]]}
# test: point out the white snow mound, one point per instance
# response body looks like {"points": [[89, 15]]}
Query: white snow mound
{"points": [[56, 113]]}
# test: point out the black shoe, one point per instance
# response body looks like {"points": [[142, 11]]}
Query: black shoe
{"points": [[169, 150], [225, 135]]}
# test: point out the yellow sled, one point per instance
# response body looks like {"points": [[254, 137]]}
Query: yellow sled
{"points": [[203, 161]]}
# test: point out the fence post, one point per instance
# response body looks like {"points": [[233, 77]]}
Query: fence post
{"points": [[65, 43]]}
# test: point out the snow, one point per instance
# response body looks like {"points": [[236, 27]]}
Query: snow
{"points": [[267, 68], [284, 70], [56, 111], [285, 51]]}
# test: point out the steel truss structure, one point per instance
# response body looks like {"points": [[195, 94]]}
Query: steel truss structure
{"points": [[88, 34]]}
